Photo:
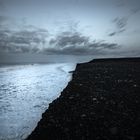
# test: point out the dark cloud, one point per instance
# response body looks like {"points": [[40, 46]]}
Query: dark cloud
{"points": [[34, 41], [116, 32], [120, 24], [133, 7], [30, 39], [69, 39], [76, 43], [22, 41], [112, 34]]}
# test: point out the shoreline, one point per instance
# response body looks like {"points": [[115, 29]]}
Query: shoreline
{"points": [[101, 101]]}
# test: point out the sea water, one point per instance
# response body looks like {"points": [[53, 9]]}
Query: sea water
{"points": [[25, 93]]}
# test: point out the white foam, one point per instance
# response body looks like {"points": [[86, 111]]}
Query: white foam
{"points": [[25, 94]]}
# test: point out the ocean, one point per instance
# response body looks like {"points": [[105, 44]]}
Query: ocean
{"points": [[25, 93]]}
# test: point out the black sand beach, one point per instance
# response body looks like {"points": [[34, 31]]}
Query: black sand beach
{"points": [[101, 102]]}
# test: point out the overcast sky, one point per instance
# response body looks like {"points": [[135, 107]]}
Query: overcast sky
{"points": [[77, 27]]}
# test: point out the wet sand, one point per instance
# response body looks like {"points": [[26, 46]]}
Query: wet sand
{"points": [[101, 102]]}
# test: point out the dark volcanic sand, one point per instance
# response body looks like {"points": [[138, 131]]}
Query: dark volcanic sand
{"points": [[101, 102]]}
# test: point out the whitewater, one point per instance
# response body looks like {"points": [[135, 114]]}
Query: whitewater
{"points": [[25, 93]]}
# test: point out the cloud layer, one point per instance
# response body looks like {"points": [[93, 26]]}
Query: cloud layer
{"points": [[120, 23], [35, 40], [76, 43], [29, 39], [73, 27]]}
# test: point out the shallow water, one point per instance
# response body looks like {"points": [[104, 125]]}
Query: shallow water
{"points": [[25, 93]]}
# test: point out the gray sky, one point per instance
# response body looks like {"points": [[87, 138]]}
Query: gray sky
{"points": [[75, 27]]}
